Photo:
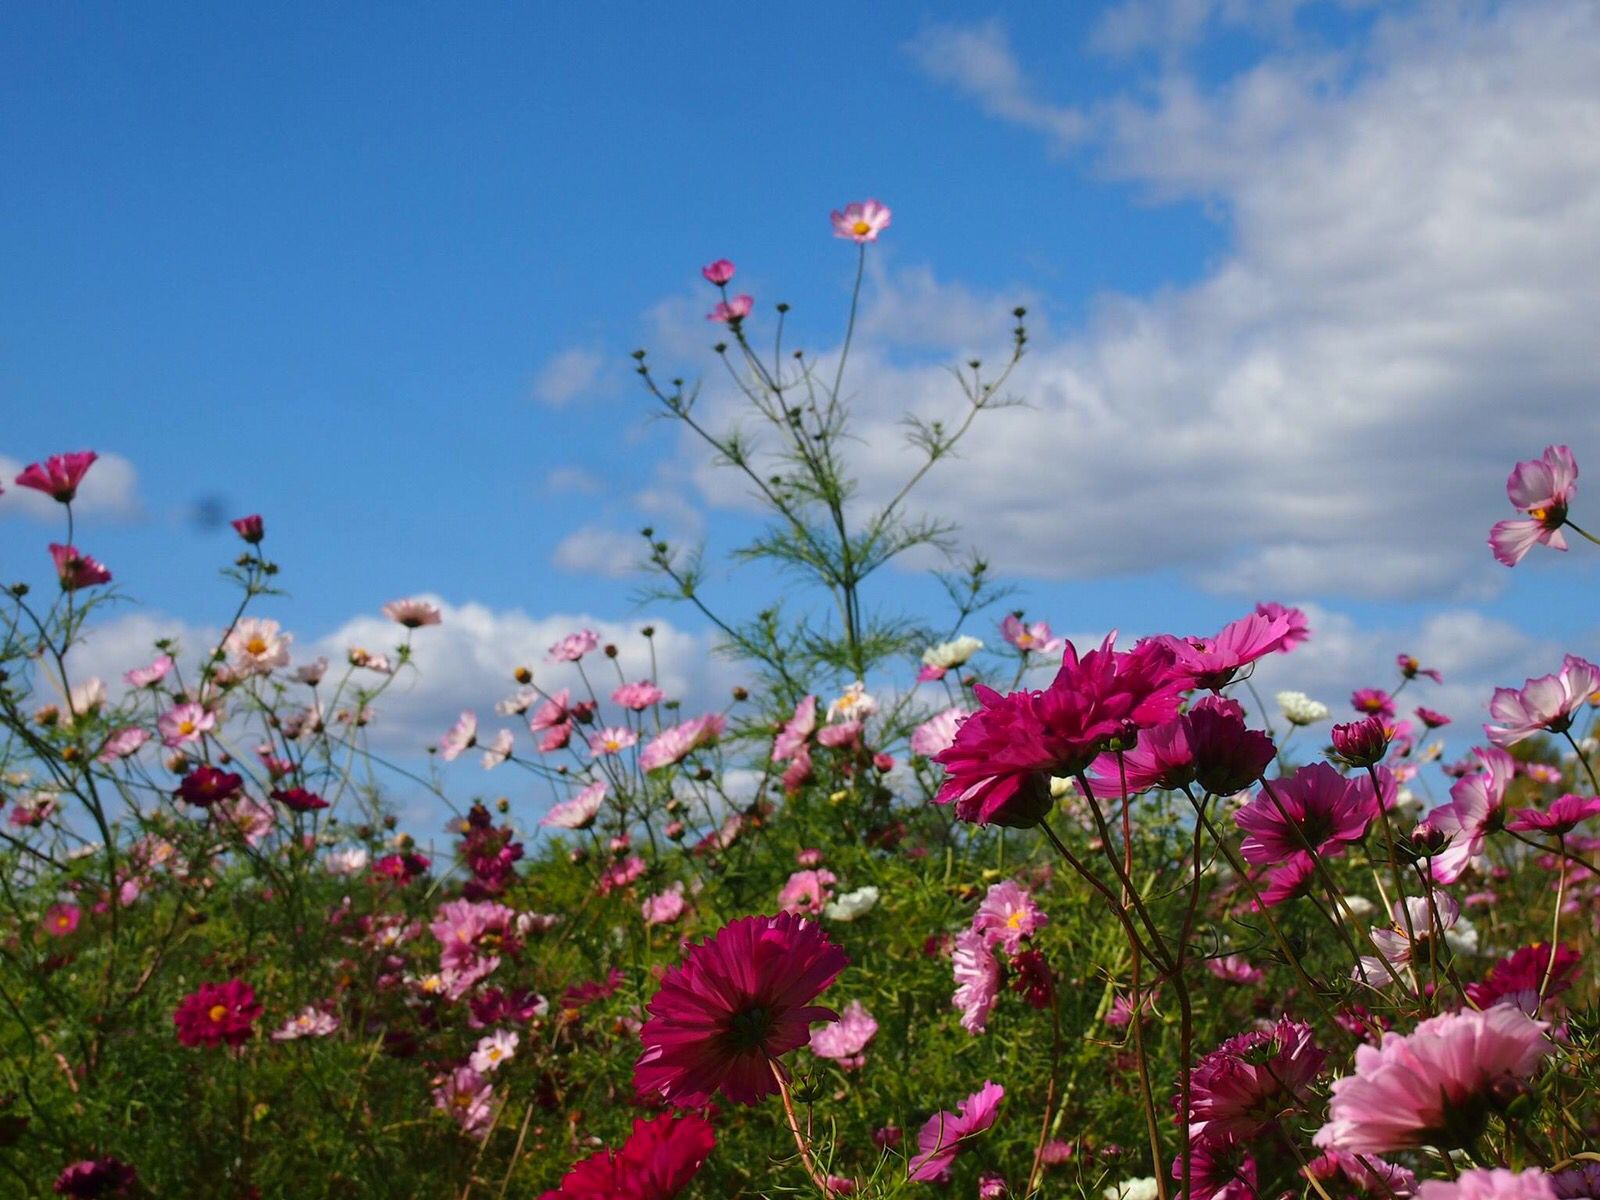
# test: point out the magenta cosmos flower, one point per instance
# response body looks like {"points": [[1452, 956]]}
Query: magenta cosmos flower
{"points": [[1434, 1086], [1214, 662], [1543, 488], [1496, 1183], [1316, 806], [997, 769], [861, 221], [944, 1133], [738, 1002], [1035, 638], [1250, 1081], [1546, 703], [76, 569], [719, 272], [977, 977], [657, 1162], [1209, 745], [217, 1013], [729, 312], [59, 475], [1561, 818], [96, 1179], [1476, 809], [251, 528]]}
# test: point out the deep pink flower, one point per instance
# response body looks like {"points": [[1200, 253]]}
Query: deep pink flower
{"points": [[737, 1003], [1492, 1183], [1546, 703], [1363, 743], [298, 799], [807, 891], [1519, 978], [996, 770], [1234, 969], [731, 312], [1316, 806], [861, 221], [977, 976], [1561, 818], [1543, 488], [1366, 1175], [250, 528], [1293, 879], [1433, 1086], [76, 569], [96, 1179], [1220, 1168], [61, 920], [846, 1040], [1374, 702], [1215, 662], [205, 785], [1008, 916], [59, 475], [638, 696], [1210, 745], [719, 272], [1433, 720], [1249, 1082], [473, 933], [217, 1013], [1299, 628], [1034, 639], [657, 1162], [944, 1133]]}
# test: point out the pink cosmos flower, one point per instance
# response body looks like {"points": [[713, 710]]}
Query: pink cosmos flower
{"points": [[122, 743], [250, 819], [1432, 1087], [664, 907], [1215, 662], [1497, 1183], [1035, 638], [1316, 806], [977, 975], [61, 920], [845, 1040], [1209, 745], [938, 733], [309, 1022], [1363, 743], [59, 475], [499, 750], [620, 875], [1546, 703], [612, 740], [76, 569], [861, 221], [996, 771], [1411, 668], [1234, 969], [1561, 818], [719, 272], [463, 735], [149, 676], [217, 1013], [1008, 916], [467, 1098], [792, 737], [1520, 977], [553, 712], [807, 891], [250, 528], [184, 724], [1366, 1174], [578, 812], [659, 1160], [674, 744], [1299, 628], [1543, 488], [412, 613], [96, 1179], [494, 1050], [574, 646], [1396, 944], [737, 1003], [729, 312], [1374, 702], [1476, 809], [256, 646], [638, 696], [1249, 1082], [1433, 720], [471, 933], [944, 1134], [843, 736], [1219, 1168]]}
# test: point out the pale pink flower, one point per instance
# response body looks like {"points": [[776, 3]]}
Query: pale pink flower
{"points": [[309, 1022], [413, 614], [638, 696], [184, 724], [1496, 1183], [1543, 488], [352, 860], [1234, 969], [1035, 638], [861, 221], [471, 933], [1008, 916], [574, 646], [792, 737], [1419, 1089], [249, 819], [664, 907], [844, 1040], [1395, 943], [467, 1098], [498, 750], [674, 744], [493, 1050], [256, 647], [612, 740], [463, 735], [87, 697], [580, 811], [312, 672], [1546, 703], [938, 733], [123, 742], [1476, 809], [977, 974], [149, 676], [520, 703], [807, 891], [840, 737]]}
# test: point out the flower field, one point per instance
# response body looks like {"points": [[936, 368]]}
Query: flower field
{"points": [[937, 903]]}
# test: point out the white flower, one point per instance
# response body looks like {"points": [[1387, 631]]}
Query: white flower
{"points": [[952, 654], [87, 697], [854, 705], [851, 905], [1133, 1189], [256, 646], [494, 1050], [1361, 906], [1301, 709], [351, 861], [1462, 937]]}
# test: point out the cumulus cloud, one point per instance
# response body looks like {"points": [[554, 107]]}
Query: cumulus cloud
{"points": [[596, 550], [568, 375], [109, 490]]}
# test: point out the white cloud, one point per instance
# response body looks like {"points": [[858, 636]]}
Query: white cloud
{"points": [[110, 490], [596, 550], [568, 376]]}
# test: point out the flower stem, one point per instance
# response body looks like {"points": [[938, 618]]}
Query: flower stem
{"points": [[817, 1177]]}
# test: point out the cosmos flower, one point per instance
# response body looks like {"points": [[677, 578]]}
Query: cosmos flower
{"points": [[792, 738], [257, 647], [77, 570], [574, 646], [846, 1039], [938, 732], [1520, 978], [947, 655], [578, 812], [861, 221], [977, 975], [149, 676], [1561, 818], [463, 735], [612, 740], [638, 696], [806, 891], [1213, 663], [217, 1014], [1008, 916], [1542, 488], [1476, 809], [413, 614], [738, 1002], [467, 1098], [656, 1163], [308, 1022], [206, 785], [184, 724], [1300, 709], [675, 743], [664, 907], [1490, 1183], [731, 311], [59, 475], [1546, 703], [1250, 1081], [944, 1134], [1315, 806], [96, 1179], [494, 1050], [718, 273], [849, 906], [1033, 639]]}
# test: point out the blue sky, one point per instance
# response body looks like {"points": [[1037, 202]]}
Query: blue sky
{"points": [[328, 263]]}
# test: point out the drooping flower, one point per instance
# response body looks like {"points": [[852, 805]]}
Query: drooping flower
{"points": [[1563, 816], [1234, 969], [217, 1014], [1366, 1175], [977, 975], [943, 1135], [308, 1022], [1434, 1086], [299, 799], [574, 646], [736, 1004], [578, 812], [1490, 1183], [77, 570], [463, 735], [1433, 720], [1034, 639], [59, 475], [1412, 668], [499, 750], [845, 1041], [861, 221], [1409, 939], [638, 696], [184, 724], [718, 273], [1543, 488], [1008, 916], [1316, 806], [1546, 703], [657, 1162]]}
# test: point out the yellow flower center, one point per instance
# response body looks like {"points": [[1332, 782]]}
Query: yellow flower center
{"points": [[494, 1053], [216, 1012], [1015, 919], [256, 645], [185, 727], [1538, 514], [861, 229]]}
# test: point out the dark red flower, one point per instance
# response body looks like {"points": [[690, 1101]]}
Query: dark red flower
{"points": [[96, 1177], [250, 528], [206, 785], [217, 1013], [76, 569], [1518, 978], [299, 800], [656, 1163]]}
